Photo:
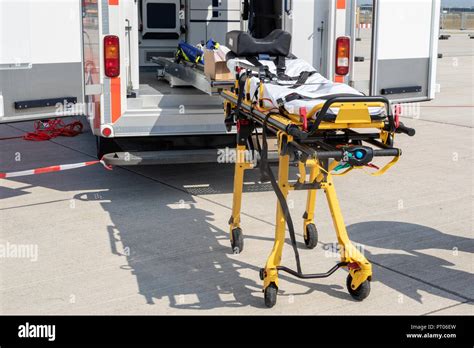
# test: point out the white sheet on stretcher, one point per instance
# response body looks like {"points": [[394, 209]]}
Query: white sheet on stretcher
{"points": [[315, 87]]}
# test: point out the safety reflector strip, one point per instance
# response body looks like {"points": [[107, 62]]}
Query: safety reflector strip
{"points": [[53, 169], [113, 2], [341, 4], [339, 79], [116, 102]]}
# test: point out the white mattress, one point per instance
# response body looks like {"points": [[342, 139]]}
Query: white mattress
{"points": [[315, 87]]}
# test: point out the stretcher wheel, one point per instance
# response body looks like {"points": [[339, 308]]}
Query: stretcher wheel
{"points": [[311, 236], [361, 293], [237, 240], [261, 273], [271, 295]]}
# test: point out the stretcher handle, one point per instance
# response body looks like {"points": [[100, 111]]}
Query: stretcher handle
{"points": [[356, 99], [339, 154], [406, 130], [296, 132]]}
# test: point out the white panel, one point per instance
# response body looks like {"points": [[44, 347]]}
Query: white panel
{"points": [[340, 23], [15, 32], [40, 31], [306, 19], [2, 109], [330, 42], [131, 13], [405, 29], [55, 31], [304, 36], [116, 22], [434, 47]]}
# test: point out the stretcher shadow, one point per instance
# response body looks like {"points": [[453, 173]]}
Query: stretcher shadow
{"points": [[6, 192], [181, 257], [207, 179], [407, 249]]}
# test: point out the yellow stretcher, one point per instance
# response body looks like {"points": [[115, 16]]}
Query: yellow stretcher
{"points": [[321, 145]]}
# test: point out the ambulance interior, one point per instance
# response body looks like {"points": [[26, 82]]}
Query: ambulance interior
{"points": [[162, 24]]}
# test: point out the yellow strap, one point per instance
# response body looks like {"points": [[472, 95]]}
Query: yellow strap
{"points": [[387, 167], [248, 87], [377, 173]]}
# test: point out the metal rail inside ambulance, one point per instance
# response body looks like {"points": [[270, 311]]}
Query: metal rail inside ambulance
{"points": [[116, 62]]}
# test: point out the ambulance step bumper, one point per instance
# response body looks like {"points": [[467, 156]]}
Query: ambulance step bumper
{"points": [[161, 157]]}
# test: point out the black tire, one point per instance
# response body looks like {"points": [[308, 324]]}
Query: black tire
{"points": [[361, 293], [390, 140], [311, 236], [271, 293], [261, 273], [237, 240], [106, 146]]}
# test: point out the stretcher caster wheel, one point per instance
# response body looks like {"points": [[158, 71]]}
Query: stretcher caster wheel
{"points": [[237, 240], [271, 295], [311, 236], [261, 273], [361, 293]]}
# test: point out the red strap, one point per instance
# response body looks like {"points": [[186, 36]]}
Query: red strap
{"points": [[304, 118], [371, 165], [353, 265], [398, 111]]}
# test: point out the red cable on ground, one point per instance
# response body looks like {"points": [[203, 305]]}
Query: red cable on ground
{"points": [[53, 129]]}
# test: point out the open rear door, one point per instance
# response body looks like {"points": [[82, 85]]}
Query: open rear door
{"points": [[311, 25], [405, 49], [40, 59]]}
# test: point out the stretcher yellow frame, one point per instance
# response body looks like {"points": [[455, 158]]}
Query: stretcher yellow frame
{"points": [[351, 115]]}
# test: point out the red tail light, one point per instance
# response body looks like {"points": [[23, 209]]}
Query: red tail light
{"points": [[106, 132], [343, 47], [112, 56]]}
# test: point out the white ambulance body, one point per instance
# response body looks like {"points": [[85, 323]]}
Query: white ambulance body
{"points": [[105, 58]]}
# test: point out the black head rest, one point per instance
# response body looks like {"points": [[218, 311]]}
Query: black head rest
{"points": [[242, 44]]}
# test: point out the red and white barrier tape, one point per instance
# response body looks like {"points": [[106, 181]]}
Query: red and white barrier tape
{"points": [[52, 169], [364, 26]]}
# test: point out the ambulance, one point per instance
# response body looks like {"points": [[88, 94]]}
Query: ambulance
{"points": [[114, 61]]}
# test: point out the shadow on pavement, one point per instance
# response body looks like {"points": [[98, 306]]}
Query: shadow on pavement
{"points": [[180, 257], [408, 247]]}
